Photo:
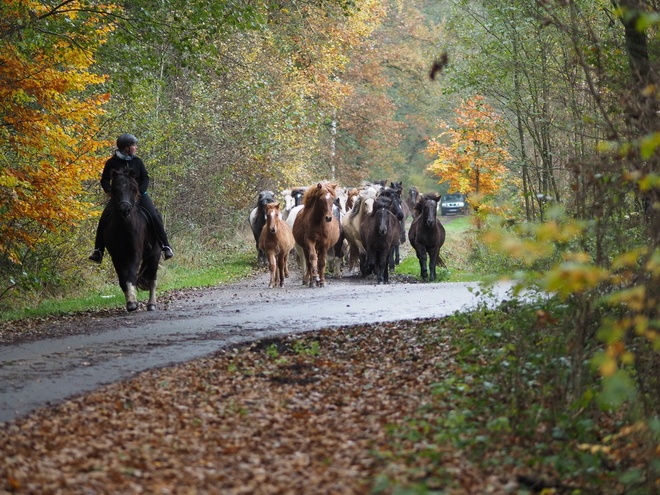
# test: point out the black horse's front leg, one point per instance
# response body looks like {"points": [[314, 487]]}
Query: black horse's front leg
{"points": [[127, 282], [421, 255]]}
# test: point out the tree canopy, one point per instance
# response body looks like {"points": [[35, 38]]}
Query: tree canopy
{"points": [[50, 109]]}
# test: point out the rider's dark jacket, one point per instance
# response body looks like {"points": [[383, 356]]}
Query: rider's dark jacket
{"points": [[117, 163]]}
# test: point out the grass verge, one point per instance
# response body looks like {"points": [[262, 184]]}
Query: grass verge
{"points": [[228, 263]]}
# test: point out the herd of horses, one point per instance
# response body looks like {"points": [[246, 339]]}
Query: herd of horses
{"points": [[323, 223], [358, 227]]}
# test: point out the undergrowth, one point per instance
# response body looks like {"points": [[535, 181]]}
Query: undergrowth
{"points": [[509, 401]]}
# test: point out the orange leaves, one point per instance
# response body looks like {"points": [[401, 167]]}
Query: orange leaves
{"points": [[473, 161], [50, 120]]}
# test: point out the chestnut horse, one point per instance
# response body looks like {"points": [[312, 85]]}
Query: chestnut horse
{"points": [[316, 229], [426, 234], [131, 242], [257, 219], [276, 240]]}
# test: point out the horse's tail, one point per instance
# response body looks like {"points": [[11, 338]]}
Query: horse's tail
{"points": [[142, 283]]}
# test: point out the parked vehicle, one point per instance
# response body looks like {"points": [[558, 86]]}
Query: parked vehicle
{"points": [[455, 203]]}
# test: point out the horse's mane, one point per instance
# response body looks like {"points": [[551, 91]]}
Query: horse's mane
{"points": [[317, 191], [419, 206], [265, 197], [382, 202], [357, 204], [126, 176]]}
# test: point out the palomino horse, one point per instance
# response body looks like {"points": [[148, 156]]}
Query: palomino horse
{"points": [[276, 240], [351, 224], [379, 231], [316, 229], [426, 233], [257, 219], [131, 242]]}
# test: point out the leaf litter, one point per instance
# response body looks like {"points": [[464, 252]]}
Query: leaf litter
{"points": [[269, 417], [338, 411]]}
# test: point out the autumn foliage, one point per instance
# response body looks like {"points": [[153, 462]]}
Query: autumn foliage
{"points": [[50, 120], [473, 160]]}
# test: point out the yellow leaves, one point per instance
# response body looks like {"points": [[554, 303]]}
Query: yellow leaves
{"points": [[50, 117], [573, 278], [634, 298], [629, 259], [473, 160], [531, 242]]}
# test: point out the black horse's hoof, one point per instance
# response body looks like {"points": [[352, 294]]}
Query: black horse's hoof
{"points": [[151, 307], [131, 306]]}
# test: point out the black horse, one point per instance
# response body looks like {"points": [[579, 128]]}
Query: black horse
{"points": [[426, 233], [257, 219], [131, 241], [394, 193], [379, 231]]}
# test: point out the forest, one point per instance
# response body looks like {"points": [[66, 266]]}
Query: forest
{"points": [[545, 113]]}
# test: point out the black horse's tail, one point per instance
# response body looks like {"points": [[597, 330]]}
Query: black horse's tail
{"points": [[142, 283]]}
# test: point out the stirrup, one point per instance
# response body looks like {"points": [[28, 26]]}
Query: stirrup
{"points": [[96, 256], [167, 251]]}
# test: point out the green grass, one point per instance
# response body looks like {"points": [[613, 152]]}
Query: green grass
{"points": [[454, 253], [178, 273]]}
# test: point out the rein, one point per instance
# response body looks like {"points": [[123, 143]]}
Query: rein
{"points": [[130, 205]]}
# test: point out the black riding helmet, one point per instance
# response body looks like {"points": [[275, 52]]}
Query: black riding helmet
{"points": [[125, 140]]}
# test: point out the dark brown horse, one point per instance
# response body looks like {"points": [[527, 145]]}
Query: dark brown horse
{"points": [[316, 229], [426, 234], [276, 241], [131, 242], [380, 230], [395, 192]]}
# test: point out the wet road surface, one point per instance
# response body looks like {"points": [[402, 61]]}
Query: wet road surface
{"points": [[46, 372]]}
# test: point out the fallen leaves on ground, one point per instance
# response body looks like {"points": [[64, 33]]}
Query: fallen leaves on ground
{"points": [[297, 415]]}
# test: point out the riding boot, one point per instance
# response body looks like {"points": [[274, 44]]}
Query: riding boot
{"points": [[99, 245], [159, 228]]}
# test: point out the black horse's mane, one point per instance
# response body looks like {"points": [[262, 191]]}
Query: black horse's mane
{"points": [[419, 206]]}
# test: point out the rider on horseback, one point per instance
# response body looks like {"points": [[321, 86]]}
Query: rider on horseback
{"points": [[123, 158]]}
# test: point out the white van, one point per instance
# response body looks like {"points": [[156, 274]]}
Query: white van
{"points": [[454, 203]]}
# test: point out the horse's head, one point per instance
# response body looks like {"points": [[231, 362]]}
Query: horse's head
{"points": [[413, 194], [427, 206], [124, 191], [265, 197], [321, 197], [395, 196], [350, 199], [382, 208], [273, 216], [289, 202], [298, 195]]}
